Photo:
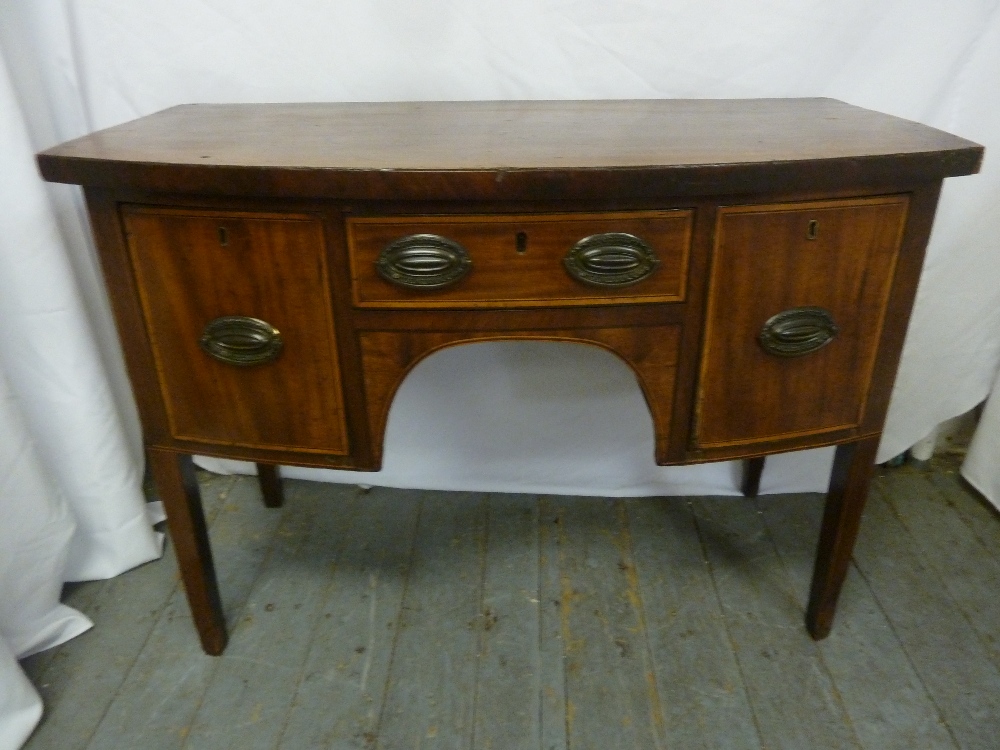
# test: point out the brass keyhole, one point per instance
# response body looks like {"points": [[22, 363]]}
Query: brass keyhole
{"points": [[812, 229], [521, 242], [223, 236]]}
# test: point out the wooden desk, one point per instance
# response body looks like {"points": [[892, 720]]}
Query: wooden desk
{"points": [[276, 270]]}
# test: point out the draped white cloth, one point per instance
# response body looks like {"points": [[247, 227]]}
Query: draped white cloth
{"points": [[520, 417], [71, 506]]}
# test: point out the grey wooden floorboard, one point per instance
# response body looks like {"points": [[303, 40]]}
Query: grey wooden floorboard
{"points": [[982, 518], [508, 679], [910, 662], [269, 644], [82, 596], [79, 684], [79, 687], [430, 697], [339, 698], [955, 668], [793, 697], [611, 685], [698, 679], [157, 701], [885, 699], [950, 547], [551, 654]]}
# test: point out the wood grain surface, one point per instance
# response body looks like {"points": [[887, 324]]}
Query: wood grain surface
{"points": [[387, 356], [508, 271], [765, 263], [271, 267], [466, 150]]}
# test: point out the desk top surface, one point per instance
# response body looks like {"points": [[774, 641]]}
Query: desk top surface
{"points": [[371, 149]]}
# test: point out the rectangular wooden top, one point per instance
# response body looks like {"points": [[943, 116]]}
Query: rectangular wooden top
{"points": [[510, 149]]}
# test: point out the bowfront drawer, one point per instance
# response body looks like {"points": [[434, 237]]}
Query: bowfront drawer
{"points": [[797, 301], [530, 260], [237, 310]]}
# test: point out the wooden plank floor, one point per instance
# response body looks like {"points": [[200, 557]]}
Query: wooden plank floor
{"points": [[403, 619]]}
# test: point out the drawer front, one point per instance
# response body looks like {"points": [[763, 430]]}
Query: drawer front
{"points": [[238, 313], [504, 260], [796, 306]]}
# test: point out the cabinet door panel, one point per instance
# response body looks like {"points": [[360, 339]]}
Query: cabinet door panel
{"points": [[837, 256], [195, 267]]}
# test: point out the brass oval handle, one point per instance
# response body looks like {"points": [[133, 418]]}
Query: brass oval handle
{"points": [[423, 262], [239, 340], [612, 259], [798, 331]]}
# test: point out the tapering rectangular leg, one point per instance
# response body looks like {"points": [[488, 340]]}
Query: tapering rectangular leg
{"points": [[269, 478], [853, 466], [753, 468], [178, 489]]}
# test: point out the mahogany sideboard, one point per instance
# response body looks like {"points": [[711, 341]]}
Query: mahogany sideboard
{"points": [[276, 270]]}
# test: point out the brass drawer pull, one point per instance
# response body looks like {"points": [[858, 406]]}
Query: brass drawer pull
{"points": [[611, 259], [239, 340], [423, 261], [798, 331]]}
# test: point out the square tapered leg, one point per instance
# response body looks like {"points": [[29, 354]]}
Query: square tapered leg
{"points": [[178, 489]]}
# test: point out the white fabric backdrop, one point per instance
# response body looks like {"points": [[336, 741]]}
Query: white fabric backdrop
{"points": [[70, 497], [514, 416]]}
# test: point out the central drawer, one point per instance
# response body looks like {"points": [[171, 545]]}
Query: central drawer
{"points": [[528, 260]]}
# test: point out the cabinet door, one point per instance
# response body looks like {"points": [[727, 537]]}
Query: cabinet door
{"points": [[818, 275], [238, 312]]}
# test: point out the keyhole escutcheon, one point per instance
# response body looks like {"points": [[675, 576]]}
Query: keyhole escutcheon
{"points": [[521, 242], [812, 229]]}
